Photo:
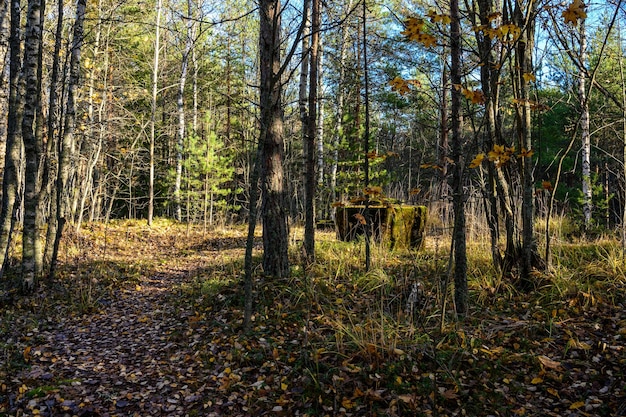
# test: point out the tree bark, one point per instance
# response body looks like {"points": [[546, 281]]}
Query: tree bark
{"points": [[338, 130], [523, 59], [32, 50], [155, 79], [10, 180], [275, 231], [585, 151], [66, 145], [309, 148], [180, 105], [458, 198]]}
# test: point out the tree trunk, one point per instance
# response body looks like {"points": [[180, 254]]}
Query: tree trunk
{"points": [[585, 150], [458, 198], [155, 79], [366, 140], [67, 143], [10, 180], [489, 75], [523, 56], [180, 104], [52, 136], [4, 74], [338, 130], [320, 113], [32, 49], [275, 232], [309, 148]]}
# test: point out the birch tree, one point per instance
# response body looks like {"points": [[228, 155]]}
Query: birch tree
{"points": [[11, 177], [32, 50]]}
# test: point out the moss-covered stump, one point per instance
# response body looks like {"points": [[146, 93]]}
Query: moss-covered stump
{"points": [[401, 226]]}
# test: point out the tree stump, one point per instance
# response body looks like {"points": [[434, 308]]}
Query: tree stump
{"points": [[399, 225]]}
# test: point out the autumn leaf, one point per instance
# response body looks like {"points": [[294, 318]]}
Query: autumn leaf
{"points": [[427, 40], [26, 353], [493, 16], [528, 77], [477, 160], [525, 153], [475, 96], [577, 405], [400, 86], [509, 33], [338, 204], [414, 191], [546, 185], [575, 11], [438, 18], [413, 25], [360, 218], [548, 363]]}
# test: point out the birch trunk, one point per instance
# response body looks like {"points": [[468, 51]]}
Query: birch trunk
{"points": [[584, 129], [155, 79], [180, 105], [338, 129], [11, 178], [67, 144], [32, 49]]}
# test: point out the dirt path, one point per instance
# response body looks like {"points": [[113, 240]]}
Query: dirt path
{"points": [[143, 352]]}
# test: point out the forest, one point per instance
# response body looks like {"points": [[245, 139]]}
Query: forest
{"points": [[309, 208]]}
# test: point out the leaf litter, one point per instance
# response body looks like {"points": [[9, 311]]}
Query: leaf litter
{"points": [[149, 322]]}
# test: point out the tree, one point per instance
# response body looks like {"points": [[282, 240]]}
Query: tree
{"points": [[273, 208], [10, 179], [458, 197], [311, 133], [155, 78], [33, 42], [67, 144]]}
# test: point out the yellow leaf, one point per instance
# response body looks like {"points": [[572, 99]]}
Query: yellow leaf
{"points": [[347, 404], [577, 405], [536, 380], [548, 363], [525, 153], [553, 392], [283, 386], [407, 398], [137, 287], [400, 86], [26, 354], [477, 160], [493, 16], [528, 77]]}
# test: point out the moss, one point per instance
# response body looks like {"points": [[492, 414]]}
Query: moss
{"points": [[399, 225]]}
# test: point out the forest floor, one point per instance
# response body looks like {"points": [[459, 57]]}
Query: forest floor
{"points": [[148, 322]]}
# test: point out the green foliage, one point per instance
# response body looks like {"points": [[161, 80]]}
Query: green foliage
{"points": [[208, 171]]}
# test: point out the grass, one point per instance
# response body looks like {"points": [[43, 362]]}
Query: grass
{"points": [[345, 333]]}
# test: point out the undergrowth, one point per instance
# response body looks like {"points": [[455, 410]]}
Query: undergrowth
{"points": [[379, 342]]}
